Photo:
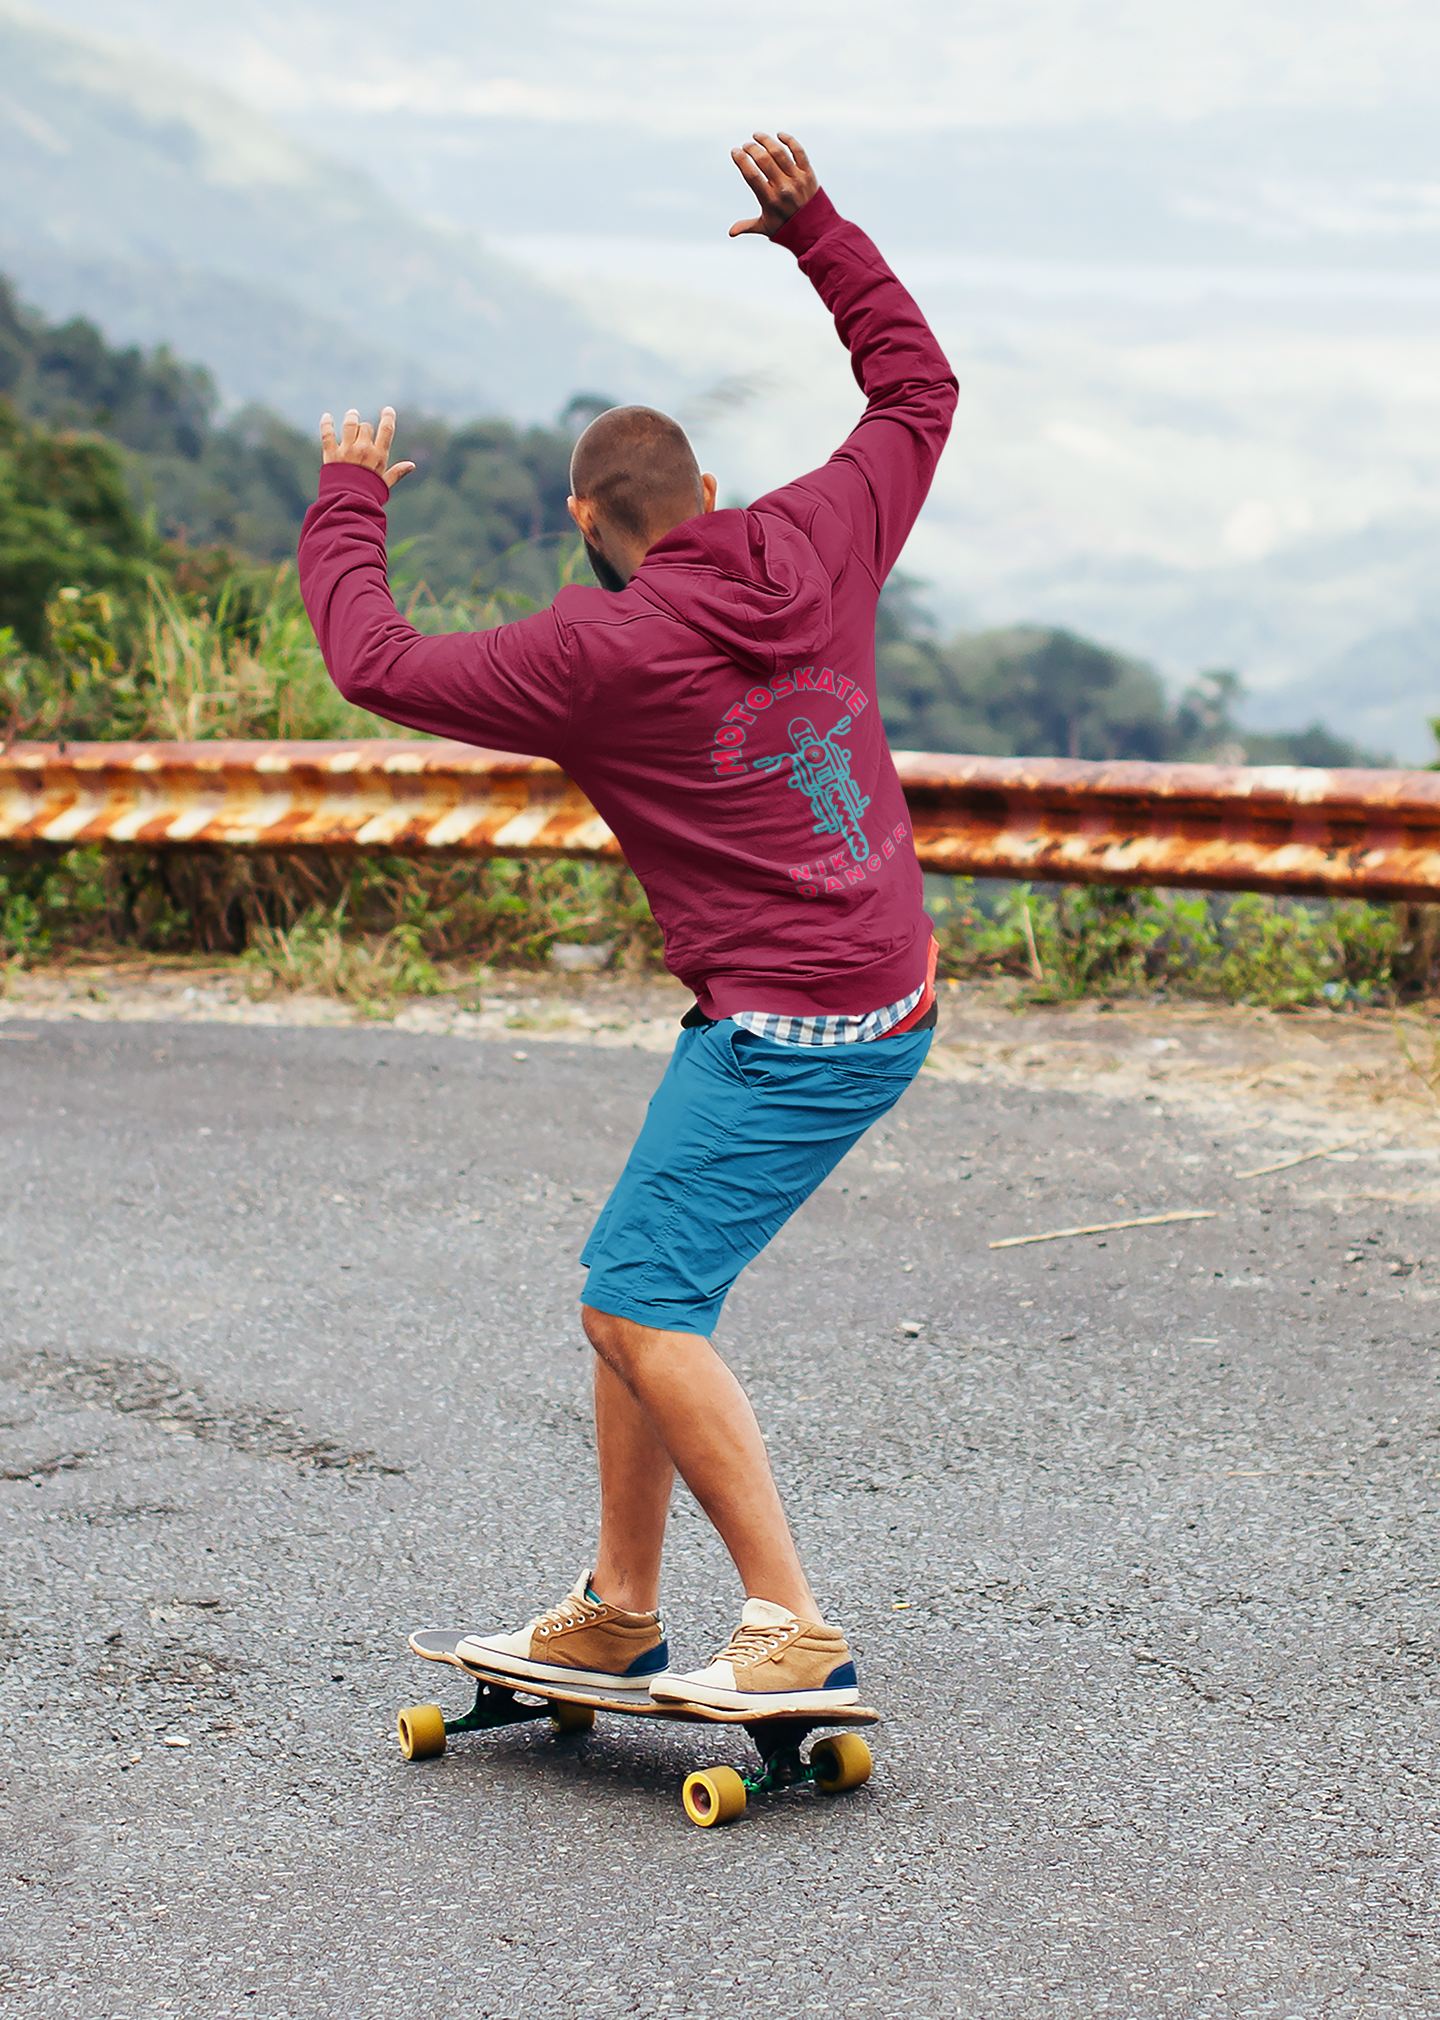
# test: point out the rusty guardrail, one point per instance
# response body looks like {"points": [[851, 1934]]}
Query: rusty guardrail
{"points": [[1373, 834], [1265, 828]]}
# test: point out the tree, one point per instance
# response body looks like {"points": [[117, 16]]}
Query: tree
{"points": [[477, 492], [244, 485], [1029, 689], [67, 375], [65, 519], [1033, 690]]}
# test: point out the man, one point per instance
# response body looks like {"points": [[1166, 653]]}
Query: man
{"points": [[716, 701]]}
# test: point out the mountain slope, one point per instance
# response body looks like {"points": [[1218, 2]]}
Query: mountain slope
{"points": [[167, 210]]}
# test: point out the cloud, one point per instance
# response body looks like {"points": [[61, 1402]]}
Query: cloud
{"points": [[915, 65]]}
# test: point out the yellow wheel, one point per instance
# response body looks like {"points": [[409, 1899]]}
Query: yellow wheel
{"points": [[717, 1796], [572, 1717], [422, 1731], [841, 1761]]}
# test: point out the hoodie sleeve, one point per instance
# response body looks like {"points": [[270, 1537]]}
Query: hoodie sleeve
{"points": [[507, 689], [878, 479]]}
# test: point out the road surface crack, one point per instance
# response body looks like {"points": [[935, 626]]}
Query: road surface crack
{"points": [[161, 1395]]}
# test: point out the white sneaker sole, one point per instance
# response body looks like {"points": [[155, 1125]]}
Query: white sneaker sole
{"points": [[499, 1663], [764, 1703]]}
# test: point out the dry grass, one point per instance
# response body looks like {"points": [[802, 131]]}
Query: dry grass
{"points": [[372, 971], [197, 679], [1419, 1045]]}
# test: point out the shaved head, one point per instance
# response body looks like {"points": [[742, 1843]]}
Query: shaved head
{"points": [[637, 469]]}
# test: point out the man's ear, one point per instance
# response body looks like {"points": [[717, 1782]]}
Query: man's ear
{"points": [[582, 511], [709, 488]]}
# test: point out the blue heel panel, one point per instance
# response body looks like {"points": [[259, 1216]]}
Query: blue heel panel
{"points": [[652, 1660], [843, 1678]]}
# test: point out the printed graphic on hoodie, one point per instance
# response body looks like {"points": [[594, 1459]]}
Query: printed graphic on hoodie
{"points": [[819, 768]]}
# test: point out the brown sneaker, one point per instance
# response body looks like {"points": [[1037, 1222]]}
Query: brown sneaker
{"points": [[773, 1662], [582, 1641]]}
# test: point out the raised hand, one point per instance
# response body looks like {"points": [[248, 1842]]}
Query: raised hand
{"points": [[779, 172], [362, 444]]}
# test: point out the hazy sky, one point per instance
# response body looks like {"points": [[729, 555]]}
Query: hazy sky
{"points": [[1185, 255], [1209, 131], [910, 65]]}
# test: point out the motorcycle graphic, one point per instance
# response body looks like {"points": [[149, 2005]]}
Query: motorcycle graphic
{"points": [[820, 768]]}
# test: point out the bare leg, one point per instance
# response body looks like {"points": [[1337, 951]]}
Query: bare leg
{"points": [[636, 1477], [702, 1418]]}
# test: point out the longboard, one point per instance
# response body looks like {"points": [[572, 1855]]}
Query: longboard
{"points": [[711, 1795]]}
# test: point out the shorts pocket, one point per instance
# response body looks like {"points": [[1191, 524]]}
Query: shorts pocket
{"points": [[884, 1059], [754, 1059]]}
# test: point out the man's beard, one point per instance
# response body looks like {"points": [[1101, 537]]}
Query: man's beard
{"points": [[605, 574]]}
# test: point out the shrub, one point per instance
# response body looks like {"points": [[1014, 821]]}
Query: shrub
{"points": [[1274, 954], [1091, 940], [299, 917]]}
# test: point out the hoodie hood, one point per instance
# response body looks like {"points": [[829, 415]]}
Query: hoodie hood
{"points": [[751, 584]]}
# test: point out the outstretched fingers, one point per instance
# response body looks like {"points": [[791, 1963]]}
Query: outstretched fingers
{"points": [[753, 174], [779, 156], [359, 443], [778, 171], [760, 152], [786, 173]]}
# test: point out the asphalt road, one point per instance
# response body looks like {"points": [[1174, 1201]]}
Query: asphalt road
{"points": [[1134, 1537]]}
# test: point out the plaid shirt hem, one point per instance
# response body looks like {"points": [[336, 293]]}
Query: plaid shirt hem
{"points": [[827, 1030]]}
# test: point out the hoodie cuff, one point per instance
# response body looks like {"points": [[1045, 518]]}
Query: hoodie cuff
{"points": [[808, 223], [338, 477]]}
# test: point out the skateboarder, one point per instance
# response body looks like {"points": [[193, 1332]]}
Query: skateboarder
{"points": [[715, 698]]}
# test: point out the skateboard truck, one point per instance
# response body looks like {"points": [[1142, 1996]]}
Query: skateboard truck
{"points": [[778, 1746], [496, 1705]]}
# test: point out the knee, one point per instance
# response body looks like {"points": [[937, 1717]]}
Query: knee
{"points": [[607, 1335]]}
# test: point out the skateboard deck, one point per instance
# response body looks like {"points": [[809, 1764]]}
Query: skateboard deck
{"points": [[710, 1796]]}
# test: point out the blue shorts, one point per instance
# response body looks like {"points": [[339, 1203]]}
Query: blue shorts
{"points": [[739, 1134]]}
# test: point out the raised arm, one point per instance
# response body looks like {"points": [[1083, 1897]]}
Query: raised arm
{"points": [[508, 689], [878, 479]]}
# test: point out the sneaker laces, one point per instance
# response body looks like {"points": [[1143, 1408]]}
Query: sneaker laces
{"points": [[753, 1644], [568, 1612]]}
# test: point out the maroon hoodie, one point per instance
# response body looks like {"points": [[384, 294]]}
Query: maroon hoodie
{"points": [[720, 712]]}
